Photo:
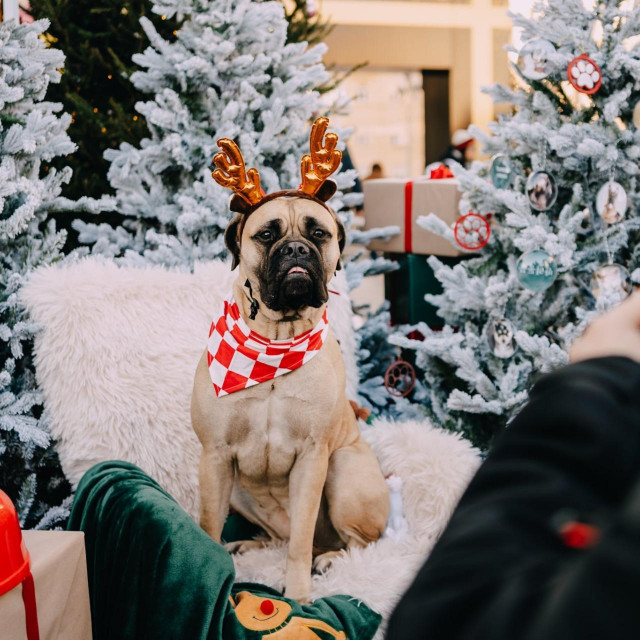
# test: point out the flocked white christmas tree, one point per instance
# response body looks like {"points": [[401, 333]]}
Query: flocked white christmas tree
{"points": [[227, 73], [32, 133], [561, 201]]}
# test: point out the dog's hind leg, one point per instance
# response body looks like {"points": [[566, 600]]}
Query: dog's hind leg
{"points": [[357, 495], [324, 560], [242, 546]]}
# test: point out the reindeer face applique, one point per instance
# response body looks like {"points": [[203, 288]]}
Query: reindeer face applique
{"points": [[272, 617]]}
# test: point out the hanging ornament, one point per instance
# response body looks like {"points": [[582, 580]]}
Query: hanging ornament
{"points": [[500, 335], [612, 280], [472, 232], [636, 115], [400, 379], [542, 190], [584, 75], [585, 222], [312, 8], [536, 270], [612, 202], [501, 171], [533, 59]]}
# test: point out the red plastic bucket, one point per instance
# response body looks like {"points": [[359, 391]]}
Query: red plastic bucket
{"points": [[15, 565], [14, 557]]}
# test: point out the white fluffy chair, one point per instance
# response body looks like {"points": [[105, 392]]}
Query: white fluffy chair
{"points": [[115, 358]]}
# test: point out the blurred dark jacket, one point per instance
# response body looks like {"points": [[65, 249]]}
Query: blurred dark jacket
{"points": [[545, 543]]}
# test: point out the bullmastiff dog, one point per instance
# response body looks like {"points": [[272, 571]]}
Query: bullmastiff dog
{"points": [[287, 453]]}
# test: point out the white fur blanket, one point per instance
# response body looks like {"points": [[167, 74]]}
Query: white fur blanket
{"points": [[115, 357]]}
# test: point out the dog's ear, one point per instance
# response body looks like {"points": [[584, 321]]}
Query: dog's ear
{"points": [[342, 239], [328, 188], [239, 205], [232, 239]]}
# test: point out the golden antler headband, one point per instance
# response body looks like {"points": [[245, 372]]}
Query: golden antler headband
{"points": [[316, 168], [324, 159], [231, 172]]}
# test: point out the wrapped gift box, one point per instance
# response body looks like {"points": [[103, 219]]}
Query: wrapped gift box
{"points": [[405, 289], [59, 570], [397, 201]]}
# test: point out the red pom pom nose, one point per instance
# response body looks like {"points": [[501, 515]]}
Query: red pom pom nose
{"points": [[267, 607], [578, 535]]}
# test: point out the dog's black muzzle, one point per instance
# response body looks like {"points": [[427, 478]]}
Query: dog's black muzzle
{"points": [[294, 277]]}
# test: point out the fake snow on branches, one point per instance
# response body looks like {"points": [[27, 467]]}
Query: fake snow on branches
{"points": [[32, 134], [562, 250], [226, 73]]}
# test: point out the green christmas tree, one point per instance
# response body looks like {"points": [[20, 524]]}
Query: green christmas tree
{"points": [[99, 37], [306, 24]]}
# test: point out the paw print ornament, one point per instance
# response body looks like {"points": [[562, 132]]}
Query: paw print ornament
{"points": [[472, 232], [585, 75], [400, 379]]}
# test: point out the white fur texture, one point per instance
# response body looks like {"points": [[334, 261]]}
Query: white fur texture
{"points": [[115, 358], [116, 355], [435, 467]]}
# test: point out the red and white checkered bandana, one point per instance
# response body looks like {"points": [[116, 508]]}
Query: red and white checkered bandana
{"points": [[239, 358]]}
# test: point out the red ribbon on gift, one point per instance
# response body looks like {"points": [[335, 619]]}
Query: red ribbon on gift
{"points": [[441, 173], [408, 217], [30, 608]]}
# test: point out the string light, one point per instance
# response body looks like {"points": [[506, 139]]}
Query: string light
{"points": [[95, 109], [109, 76], [104, 129], [164, 17], [135, 117], [124, 11]]}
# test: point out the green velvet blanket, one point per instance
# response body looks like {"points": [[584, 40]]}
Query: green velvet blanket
{"points": [[155, 575]]}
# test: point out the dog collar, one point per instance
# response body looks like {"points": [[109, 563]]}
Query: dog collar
{"points": [[239, 358]]}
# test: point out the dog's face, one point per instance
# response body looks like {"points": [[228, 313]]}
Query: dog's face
{"points": [[291, 248]]}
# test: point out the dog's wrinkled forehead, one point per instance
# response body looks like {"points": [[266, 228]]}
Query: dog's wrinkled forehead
{"points": [[289, 216]]}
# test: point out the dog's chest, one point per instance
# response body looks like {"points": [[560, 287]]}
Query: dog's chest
{"points": [[277, 421]]}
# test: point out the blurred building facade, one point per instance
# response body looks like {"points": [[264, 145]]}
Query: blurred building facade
{"points": [[427, 62]]}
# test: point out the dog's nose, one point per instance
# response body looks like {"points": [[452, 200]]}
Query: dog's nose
{"points": [[292, 249]]}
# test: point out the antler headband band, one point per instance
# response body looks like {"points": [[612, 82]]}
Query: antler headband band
{"points": [[323, 160]]}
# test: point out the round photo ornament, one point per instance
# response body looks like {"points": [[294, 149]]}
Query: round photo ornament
{"points": [[472, 232], [584, 75], [536, 270], [542, 190], [501, 171], [533, 59], [500, 336], [612, 202]]}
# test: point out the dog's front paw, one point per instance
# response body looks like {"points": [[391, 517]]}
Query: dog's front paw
{"points": [[241, 546], [299, 597], [299, 588]]}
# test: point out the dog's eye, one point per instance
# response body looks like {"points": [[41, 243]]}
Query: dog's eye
{"points": [[265, 235], [319, 233]]}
